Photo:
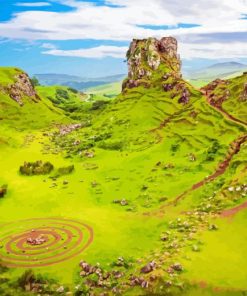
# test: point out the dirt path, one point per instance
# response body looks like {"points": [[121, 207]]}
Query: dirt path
{"points": [[235, 147], [233, 211], [221, 110]]}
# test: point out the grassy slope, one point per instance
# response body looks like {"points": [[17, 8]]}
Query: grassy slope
{"points": [[105, 92], [16, 120], [233, 105], [133, 152]]}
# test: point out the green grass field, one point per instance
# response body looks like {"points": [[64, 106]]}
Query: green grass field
{"points": [[127, 153]]}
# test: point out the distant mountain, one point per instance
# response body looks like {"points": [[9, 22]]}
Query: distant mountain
{"points": [[219, 70], [79, 83]]}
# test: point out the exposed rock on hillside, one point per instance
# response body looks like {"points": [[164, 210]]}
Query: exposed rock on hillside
{"points": [[150, 60], [215, 98], [156, 63], [243, 96], [22, 87]]}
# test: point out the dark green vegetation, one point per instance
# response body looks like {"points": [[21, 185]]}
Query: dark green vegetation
{"points": [[159, 173], [36, 168]]}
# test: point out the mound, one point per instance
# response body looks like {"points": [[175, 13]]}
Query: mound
{"points": [[20, 105]]}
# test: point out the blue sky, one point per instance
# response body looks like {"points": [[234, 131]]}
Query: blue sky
{"points": [[89, 38]]}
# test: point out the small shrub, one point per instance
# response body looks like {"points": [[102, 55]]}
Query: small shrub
{"points": [[175, 147], [111, 145], [35, 81], [210, 156], [73, 90], [99, 105], [66, 170]]}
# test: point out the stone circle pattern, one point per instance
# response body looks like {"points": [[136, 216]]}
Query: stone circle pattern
{"points": [[42, 241]]}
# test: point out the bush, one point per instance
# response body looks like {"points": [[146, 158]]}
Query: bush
{"points": [[175, 147], [73, 90], [35, 81], [210, 156], [66, 170], [36, 168], [99, 105], [111, 145], [54, 100], [61, 93]]}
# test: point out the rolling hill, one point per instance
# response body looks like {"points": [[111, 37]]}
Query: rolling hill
{"points": [[79, 83], [219, 70]]}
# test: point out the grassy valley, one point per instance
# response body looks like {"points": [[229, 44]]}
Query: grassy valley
{"points": [[133, 191]]}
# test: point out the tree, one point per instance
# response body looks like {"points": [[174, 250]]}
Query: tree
{"points": [[35, 81]]}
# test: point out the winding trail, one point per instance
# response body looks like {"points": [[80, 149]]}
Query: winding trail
{"points": [[221, 110], [235, 147], [231, 212]]}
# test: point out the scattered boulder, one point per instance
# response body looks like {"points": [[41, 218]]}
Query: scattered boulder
{"points": [[138, 281], [149, 267], [177, 267], [87, 269], [37, 240], [67, 129], [89, 154], [184, 99], [122, 202], [212, 227]]}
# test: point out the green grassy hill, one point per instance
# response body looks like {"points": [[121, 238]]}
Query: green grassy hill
{"points": [[22, 110], [230, 95], [105, 91]]}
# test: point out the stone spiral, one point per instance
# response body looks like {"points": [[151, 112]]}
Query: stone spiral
{"points": [[42, 241]]}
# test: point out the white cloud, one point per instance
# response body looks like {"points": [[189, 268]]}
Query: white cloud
{"points": [[32, 4], [88, 21], [48, 46], [214, 50], [95, 52]]}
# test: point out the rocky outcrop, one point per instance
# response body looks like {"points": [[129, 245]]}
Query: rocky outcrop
{"points": [[243, 96], [21, 88], [150, 60], [217, 92]]}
